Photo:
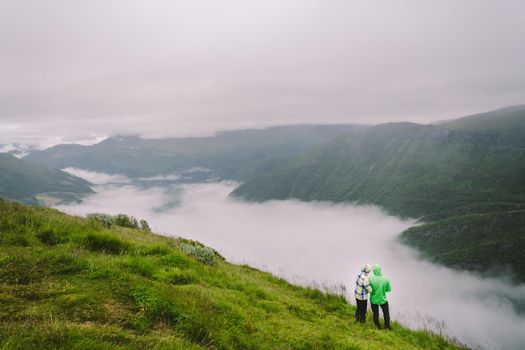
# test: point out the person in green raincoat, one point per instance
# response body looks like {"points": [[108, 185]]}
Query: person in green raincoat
{"points": [[380, 286]]}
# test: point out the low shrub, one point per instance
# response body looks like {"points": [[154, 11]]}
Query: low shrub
{"points": [[205, 255], [105, 219], [126, 221], [143, 224], [123, 220]]}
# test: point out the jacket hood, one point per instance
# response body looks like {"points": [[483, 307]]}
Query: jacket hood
{"points": [[377, 270]]}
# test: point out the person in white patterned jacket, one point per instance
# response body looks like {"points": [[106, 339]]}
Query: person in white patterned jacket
{"points": [[362, 288]]}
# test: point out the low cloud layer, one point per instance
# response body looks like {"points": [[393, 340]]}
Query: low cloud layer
{"points": [[82, 70], [306, 242], [98, 178]]}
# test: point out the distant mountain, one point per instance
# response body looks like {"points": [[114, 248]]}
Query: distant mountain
{"points": [[450, 174], [409, 169], [33, 183], [19, 150], [228, 155], [504, 126]]}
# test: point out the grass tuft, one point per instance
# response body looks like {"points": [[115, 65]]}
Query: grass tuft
{"points": [[51, 237], [104, 243]]}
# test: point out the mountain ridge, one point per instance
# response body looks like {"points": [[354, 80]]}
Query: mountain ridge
{"points": [[430, 172], [24, 181], [224, 154]]}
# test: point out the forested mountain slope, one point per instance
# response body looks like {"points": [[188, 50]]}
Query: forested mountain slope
{"points": [[23, 181], [238, 154], [465, 177], [409, 169], [505, 126]]}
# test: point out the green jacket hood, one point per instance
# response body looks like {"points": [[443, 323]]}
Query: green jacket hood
{"points": [[380, 286]]}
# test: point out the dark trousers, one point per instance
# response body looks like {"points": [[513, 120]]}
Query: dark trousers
{"points": [[386, 314], [360, 313]]}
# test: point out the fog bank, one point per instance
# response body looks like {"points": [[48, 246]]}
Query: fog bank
{"points": [[326, 243]]}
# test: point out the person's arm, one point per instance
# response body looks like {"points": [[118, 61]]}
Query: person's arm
{"points": [[367, 285], [388, 287]]}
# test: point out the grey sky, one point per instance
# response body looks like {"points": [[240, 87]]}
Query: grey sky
{"points": [[74, 70]]}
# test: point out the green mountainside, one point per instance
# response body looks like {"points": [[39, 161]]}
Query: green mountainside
{"points": [[227, 155], [410, 169], [476, 241], [72, 283], [457, 177], [503, 126], [29, 182]]}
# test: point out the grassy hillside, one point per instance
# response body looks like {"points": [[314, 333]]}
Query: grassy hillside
{"points": [[223, 155], [24, 181], [70, 283]]}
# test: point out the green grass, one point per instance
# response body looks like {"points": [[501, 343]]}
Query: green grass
{"points": [[70, 283]]}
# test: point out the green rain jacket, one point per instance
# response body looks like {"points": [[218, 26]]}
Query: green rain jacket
{"points": [[380, 285]]}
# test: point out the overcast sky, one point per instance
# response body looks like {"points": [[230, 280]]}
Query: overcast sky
{"points": [[77, 70]]}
